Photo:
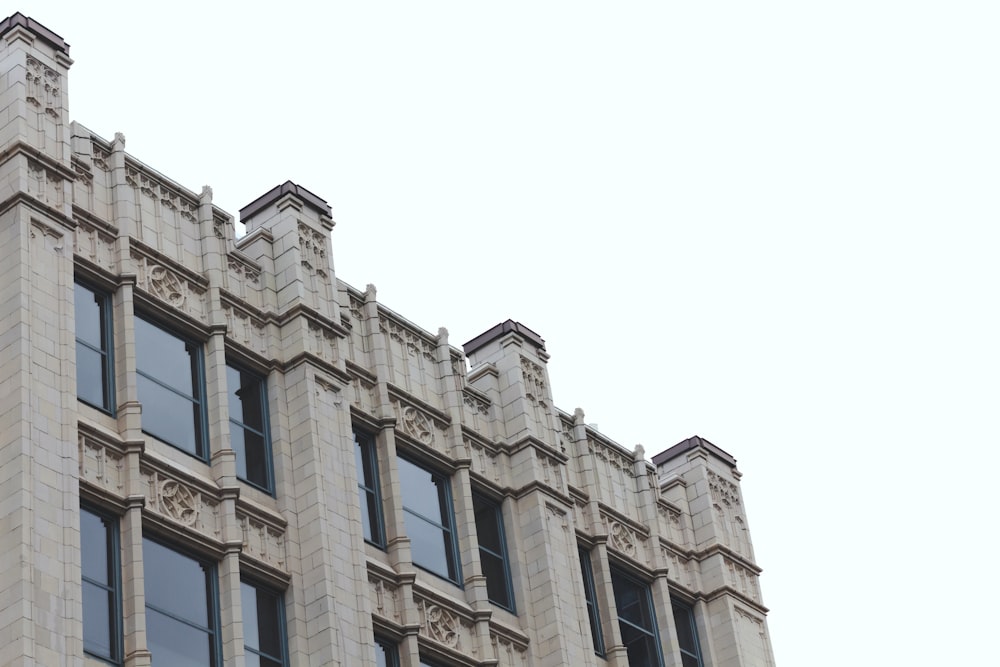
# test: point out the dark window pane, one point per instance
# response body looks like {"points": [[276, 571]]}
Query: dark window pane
{"points": [[495, 572], [177, 644], [175, 583], [689, 661], [88, 316], [429, 545], [98, 606], [420, 491], [487, 524], [245, 398], [94, 539], [90, 375], [163, 356], [168, 416], [683, 623], [251, 455]]}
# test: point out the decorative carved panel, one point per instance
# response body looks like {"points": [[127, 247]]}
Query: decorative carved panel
{"points": [[742, 579], [445, 626], [94, 244], [181, 503], [44, 87], [385, 599], [245, 329], [45, 185], [262, 541], [485, 461], [102, 466], [170, 286], [509, 653]]}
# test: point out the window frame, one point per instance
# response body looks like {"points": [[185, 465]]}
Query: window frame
{"points": [[196, 348], [679, 606], [282, 621], [114, 587], [486, 502], [390, 650], [371, 488], [447, 510], [106, 319], [653, 633], [589, 592], [212, 601], [265, 429]]}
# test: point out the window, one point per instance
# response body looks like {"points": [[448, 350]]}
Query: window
{"points": [[386, 654], [101, 579], [171, 385], [636, 620], [263, 626], [94, 384], [181, 608], [588, 591], [248, 427], [493, 551], [687, 634], [429, 520], [366, 460]]}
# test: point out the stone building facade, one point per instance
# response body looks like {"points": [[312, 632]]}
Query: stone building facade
{"points": [[215, 452]]}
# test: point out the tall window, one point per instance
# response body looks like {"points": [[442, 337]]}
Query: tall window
{"points": [[687, 634], [493, 551], [429, 520], [366, 460], [93, 348], [636, 620], [248, 427], [263, 626], [386, 654], [171, 388], [181, 608], [588, 591], [102, 625]]}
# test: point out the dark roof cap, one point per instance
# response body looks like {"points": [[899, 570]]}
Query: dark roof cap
{"points": [[280, 191], [502, 329], [693, 442], [19, 19]]}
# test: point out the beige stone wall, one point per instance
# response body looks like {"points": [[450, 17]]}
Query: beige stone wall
{"points": [[334, 359]]}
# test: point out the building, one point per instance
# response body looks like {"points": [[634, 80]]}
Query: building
{"points": [[214, 452]]}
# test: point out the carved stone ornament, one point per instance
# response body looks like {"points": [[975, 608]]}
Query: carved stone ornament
{"points": [[622, 538], [43, 87], [417, 425], [441, 625], [178, 502], [166, 285]]}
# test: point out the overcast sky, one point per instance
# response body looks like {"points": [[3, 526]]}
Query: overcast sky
{"points": [[773, 224]]}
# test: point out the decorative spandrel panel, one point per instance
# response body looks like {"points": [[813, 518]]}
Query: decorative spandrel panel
{"points": [[95, 244], [263, 541], [486, 461], [170, 286], [365, 395], [385, 598], [742, 579], [626, 539], [477, 412], [101, 465], [420, 425], [46, 185], [182, 503], [681, 569], [674, 525], [446, 626], [510, 651], [245, 328], [165, 215]]}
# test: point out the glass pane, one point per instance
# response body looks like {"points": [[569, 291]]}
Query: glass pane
{"points": [[176, 644], [631, 600], [689, 661], [255, 462], [98, 606], [429, 545], [245, 400], [90, 375], [163, 356], [269, 623], [682, 620], [367, 516], [248, 598], [420, 491], [496, 579], [94, 547], [175, 583], [168, 416], [87, 306], [641, 651], [487, 524]]}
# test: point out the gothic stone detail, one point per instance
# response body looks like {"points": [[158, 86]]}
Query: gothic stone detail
{"points": [[262, 541], [169, 286], [742, 579], [245, 329], [625, 540], [102, 466], [385, 598], [313, 248], [414, 422], [445, 626], [680, 569], [323, 342], [95, 244], [43, 87], [45, 185], [552, 471], [163, 195], [410, 342], [181, 503], [509, 652], [485, 461]]}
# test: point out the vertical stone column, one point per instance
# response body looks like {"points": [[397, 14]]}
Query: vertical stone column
{"points": [[729, 615], [40, 590]]}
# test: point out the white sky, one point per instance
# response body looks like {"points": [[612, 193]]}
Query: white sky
{"points": [[773, 224]]}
